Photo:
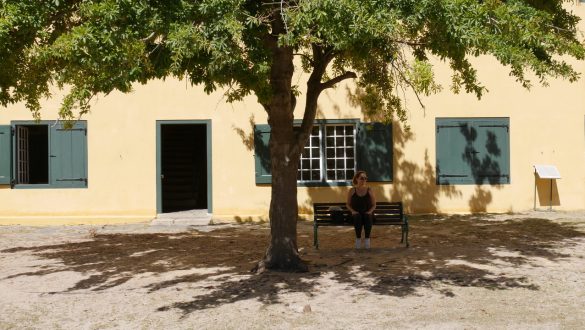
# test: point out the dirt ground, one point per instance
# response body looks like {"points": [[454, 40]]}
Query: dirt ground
{"points": [[461, 272]]}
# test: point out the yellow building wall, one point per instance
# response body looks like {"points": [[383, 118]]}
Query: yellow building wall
{"points": [[547, 126], [122, 157]]}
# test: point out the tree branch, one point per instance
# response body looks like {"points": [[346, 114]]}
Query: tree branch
{"points": [[150, 37], [314, 89], [328, 54], [333, 81], [409, 43], [306, 57], [407, 81]]}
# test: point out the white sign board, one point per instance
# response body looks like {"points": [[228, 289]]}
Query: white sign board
{"points": [[547, 171]]}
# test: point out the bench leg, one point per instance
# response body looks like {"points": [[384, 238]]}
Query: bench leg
{"points": [[406, 229], [315, 237]]}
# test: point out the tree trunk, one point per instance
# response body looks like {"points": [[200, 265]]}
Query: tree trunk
{"points": [[282, 253]]}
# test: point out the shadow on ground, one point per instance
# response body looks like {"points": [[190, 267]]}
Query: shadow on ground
{"points": [[455, 251]]}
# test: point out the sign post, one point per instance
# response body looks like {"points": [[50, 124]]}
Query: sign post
{"points": [[546, 172]]}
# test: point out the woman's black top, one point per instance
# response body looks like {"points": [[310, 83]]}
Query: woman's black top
{"points": [[361, 203]]}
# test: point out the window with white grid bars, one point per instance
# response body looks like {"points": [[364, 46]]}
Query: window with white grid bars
{"points": [[310, 163], [340, 152], [329, 154]]}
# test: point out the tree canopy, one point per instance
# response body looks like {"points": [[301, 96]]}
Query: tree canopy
{"points": [[101, 46], [247, 47]]}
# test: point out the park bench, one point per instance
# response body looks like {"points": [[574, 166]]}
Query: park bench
{"points": [[336, 214]]}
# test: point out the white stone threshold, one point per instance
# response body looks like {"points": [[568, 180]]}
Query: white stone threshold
{"points": [[183, 218]]}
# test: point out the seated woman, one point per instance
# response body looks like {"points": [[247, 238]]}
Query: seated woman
{"points": [[361, 202]]}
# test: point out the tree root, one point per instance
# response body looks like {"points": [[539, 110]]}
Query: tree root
{"points": [[296, 266]]}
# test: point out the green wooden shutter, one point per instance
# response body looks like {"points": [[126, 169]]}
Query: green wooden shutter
{"points": [[374, 151], [454, 142], [492, 151], [5, 154], [68, 156], [262, 154], [473, 150]]}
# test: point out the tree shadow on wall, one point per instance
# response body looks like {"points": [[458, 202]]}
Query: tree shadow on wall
{"points": [[247, 138], [414, 184], [484, 165]]}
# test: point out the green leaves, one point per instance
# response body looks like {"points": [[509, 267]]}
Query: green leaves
{"points": [[421, 78], [97, 46]]}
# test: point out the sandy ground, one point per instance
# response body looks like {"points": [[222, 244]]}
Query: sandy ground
{"points": [[461, 272]]}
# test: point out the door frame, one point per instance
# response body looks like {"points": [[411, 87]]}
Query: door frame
{"points": [[159, 123]]}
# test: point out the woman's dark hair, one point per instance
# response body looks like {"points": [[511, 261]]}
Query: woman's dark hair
{"points": [[356, 176]]}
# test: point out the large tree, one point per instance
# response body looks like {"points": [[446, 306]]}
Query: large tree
{"points": [[254, 47]]}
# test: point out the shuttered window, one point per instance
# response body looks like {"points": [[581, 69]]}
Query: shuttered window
{"points": [[473, 150], [335, 150], [68, 156], [46, 154], [374, 151], [262, 154], [5, 154]]}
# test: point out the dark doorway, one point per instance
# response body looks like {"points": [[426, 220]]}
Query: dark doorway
{"points": [[183, 167]]}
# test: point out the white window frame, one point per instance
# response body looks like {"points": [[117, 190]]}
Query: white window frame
{"points": [[323, 158]]}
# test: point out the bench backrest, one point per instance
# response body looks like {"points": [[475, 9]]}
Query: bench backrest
{"points": [[385, 213]]}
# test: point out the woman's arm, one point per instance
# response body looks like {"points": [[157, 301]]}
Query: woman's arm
{"points": [[372, 200], [348, 201]]}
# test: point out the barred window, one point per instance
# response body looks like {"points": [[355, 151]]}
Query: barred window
{"points": [[329, 154], [334, 150], [43, 154], [310, 163]]}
